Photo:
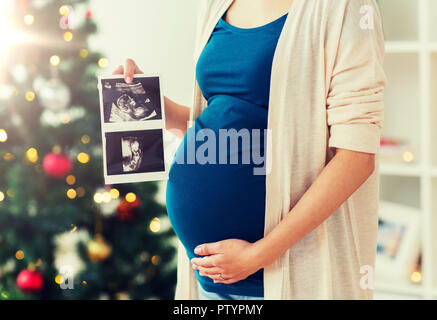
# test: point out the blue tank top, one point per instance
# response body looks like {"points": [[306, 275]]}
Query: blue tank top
{"points": [[208, 202]]}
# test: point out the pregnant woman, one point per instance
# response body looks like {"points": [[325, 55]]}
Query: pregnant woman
{"points": [[304, 80]]}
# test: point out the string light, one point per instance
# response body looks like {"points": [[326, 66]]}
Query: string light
{"points": [[156, 260], [59, 279], [416, 277], [71, 193], [29, 19], [3, 135], [8, 156], [70, 179], [408, 156], [64, 10], [2, 196], [131, 197], [30, 96], [68, 36], [83, 53], [85, 139], [55, 60], [98, 197], [19, 255], [32, 155], [80, 191], [114, 193], [106, 197], [56, 149], [155, 225], [103, 63], [10, 193], [65, 118], [83, 157]]}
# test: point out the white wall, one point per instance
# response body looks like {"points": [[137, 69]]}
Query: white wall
{"points": [[158, 35]]}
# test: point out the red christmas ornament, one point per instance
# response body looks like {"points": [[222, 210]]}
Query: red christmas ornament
{"points": [[29, 281], [89, 14], [125, 209], [57, 165]]}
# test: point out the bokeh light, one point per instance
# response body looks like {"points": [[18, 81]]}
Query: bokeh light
{"points": [[29, 19], [71, 193], [3, 135], [131, 197], [32, 154], [155, 225], [83, 157], [55, 60]]}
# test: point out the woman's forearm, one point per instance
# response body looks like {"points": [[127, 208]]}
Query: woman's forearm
{"points": [[176, 116], [345, 173]]}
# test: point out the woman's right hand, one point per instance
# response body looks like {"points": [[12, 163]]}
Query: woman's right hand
{"points": [[128, 70]]}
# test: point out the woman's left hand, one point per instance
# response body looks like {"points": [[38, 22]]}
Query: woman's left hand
{"points": [[233, 259]]}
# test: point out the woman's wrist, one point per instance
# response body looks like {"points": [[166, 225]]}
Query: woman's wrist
{"points": [[262, 253]]}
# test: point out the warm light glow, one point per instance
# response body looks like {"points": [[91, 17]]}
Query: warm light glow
{"points": [[106, 197], [70, 179], [3, 135], [59, 279], [156, 260], [32, 155], [30, 96], [114, 193], [83, 53], [131, 197], [55, 60], [64, 10], [65, 118], [73, 229], [80, 191], [2, 196], [29, 19], [85, 139], [98, 197], [10, 37], [155, 225], [83, 157], [71, 193], [19, 255], [416, 277], [103, 62], [56, 149], [8, 156], [408, 156], [68, 36]]}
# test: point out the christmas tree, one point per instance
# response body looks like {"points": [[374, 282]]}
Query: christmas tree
{"points": [[63, 234]]}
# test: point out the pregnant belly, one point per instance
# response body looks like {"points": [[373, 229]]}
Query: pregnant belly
{"points": [[213, 202]]}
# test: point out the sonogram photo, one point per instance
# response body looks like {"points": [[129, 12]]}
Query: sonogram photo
{"points": [[136, 101], [134, 152]]}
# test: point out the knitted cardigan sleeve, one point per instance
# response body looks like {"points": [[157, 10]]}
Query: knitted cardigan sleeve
{"points": [[355, 109]]}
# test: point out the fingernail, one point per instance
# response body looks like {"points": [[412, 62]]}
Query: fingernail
{"points": [[128, 79], [197, 250]]}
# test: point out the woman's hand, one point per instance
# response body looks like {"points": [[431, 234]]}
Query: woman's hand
{"points": [[233, 259], [129, 70]]}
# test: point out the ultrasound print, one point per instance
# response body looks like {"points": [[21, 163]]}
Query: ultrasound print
{"points": [[137, 101], [134, 152]]}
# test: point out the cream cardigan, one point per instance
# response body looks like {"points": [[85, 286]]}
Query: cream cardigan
{"points": [[326, 92]]}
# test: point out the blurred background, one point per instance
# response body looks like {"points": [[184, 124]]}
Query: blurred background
{"points": [[66, 235]]}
